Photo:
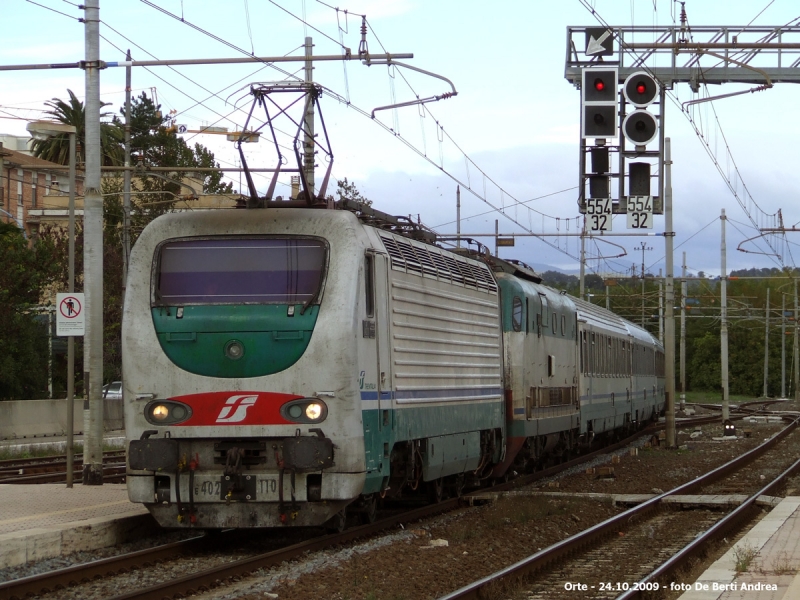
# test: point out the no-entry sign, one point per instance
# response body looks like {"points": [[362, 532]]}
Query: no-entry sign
{"points": [[70, 315]]}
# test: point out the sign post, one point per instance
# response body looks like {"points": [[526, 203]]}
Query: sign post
{"points": [[70, 323]]}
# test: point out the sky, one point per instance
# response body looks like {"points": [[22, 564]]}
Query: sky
{"points": [[510, 137]]}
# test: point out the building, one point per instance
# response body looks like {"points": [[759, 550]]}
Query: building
{"points": [[35, 192], [30, 186]]}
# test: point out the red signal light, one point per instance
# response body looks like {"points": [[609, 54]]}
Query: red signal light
{"points": [[599, 85], [641, 88]]}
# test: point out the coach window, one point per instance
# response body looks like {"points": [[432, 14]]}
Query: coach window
{"points": [[555, 323], [369, 284], [516, 314], [563, 325], [582, 338]]}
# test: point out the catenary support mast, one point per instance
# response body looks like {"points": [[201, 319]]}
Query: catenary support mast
{"points": [[93, 255], [669, 317], [723, 328]]}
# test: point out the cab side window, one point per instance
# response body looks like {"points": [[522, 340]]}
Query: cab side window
{"points": [[369, 284], [516, 314]]}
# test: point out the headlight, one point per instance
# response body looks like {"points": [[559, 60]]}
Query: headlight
{"points": [[166, 412], [306, 410], [314, 411]]}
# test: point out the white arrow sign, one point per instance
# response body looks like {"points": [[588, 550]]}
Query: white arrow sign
{"points": [[595, 46]]}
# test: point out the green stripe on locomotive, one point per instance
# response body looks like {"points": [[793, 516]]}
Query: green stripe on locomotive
{"points": [[197, 340]]}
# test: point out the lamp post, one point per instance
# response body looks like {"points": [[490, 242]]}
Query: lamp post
{"points": [[44, 130]]}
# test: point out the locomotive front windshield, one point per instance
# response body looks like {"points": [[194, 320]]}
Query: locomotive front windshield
{"points": [[240, 270]]}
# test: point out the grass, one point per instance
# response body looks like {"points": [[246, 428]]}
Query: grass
{"points": [[782, 565], [744, 556], [714, 398]]}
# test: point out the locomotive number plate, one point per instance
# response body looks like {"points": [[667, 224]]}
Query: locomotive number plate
{"points": [[264, 488], [207, 489]]}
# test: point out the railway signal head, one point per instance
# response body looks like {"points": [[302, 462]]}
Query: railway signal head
{"points": [[640, 127], [599, 102], [639, 179], [640, 89]]}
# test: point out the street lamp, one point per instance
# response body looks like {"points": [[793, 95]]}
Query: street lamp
{"points": [[43, 130]]}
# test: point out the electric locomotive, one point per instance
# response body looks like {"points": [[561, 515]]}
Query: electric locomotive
{"points": [[284, 365], [281, 364]]}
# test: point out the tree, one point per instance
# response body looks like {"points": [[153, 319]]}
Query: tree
{"points": [[154, 143], [348, 191], [56, 148], [27, 271]]}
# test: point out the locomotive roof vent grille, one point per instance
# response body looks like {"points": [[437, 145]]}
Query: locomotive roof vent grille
{"points": [[431, 261]]}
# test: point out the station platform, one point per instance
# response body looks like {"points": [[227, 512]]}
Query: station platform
{"points": [[48, 520], [56, 443], [767, 557]]}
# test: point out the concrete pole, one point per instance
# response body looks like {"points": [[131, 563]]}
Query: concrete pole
{"points": [[608, 297], [643, 247], [783, 345], [661, 311], [723, 330], [458, 216], [766, 346], [50, 326], [583, 261], [71, 339], [308, 121], [93, 254], [683, 334], [126, 186], [796, 369], [642, 319], [496, 235], [669, 317]]}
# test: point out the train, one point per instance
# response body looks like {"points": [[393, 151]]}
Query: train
{"points": [[290, 366]]}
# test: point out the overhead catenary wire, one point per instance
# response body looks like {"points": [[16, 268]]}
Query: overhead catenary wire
{"points": [[79, 19], [441, 130], [307, 24], [408, 144], [197, 102]]}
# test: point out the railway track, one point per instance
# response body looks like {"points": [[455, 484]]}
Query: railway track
{"points": [[583, 559], [206, 578], [53, 469]]}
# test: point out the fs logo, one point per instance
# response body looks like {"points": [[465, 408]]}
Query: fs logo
{"points": [[235, 409]]}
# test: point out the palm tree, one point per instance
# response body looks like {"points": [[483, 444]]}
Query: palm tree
{"points": [[56, 148]]}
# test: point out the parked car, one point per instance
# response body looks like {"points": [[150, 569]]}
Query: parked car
{"points": [[113, 390]]}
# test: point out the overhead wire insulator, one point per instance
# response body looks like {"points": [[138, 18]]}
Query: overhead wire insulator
{"points": [[363, 48]]}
